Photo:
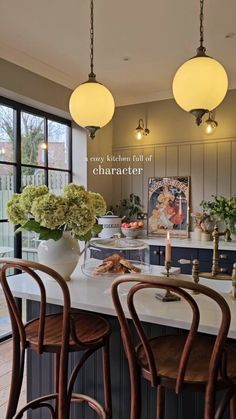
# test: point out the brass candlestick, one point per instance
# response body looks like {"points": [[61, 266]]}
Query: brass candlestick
{"points": [[234, 281], [168, 296], [195, 273], [215, 270]]}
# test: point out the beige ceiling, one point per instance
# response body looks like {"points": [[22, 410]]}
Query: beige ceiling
{"points": [[50, 37]]}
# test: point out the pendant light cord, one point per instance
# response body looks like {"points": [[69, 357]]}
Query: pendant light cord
{"points": [[201, 23], [201, 51], [91, 75]]}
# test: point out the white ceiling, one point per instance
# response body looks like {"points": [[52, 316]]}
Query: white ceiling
{"points": [[50, 37]]}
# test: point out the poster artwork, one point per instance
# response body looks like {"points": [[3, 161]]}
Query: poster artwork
{"points": [[168, 206]]}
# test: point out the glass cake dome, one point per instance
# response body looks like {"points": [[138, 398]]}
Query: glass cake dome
{"points": [[109, 258]]}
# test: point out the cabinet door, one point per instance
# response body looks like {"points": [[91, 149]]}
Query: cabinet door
{"points": [[155, 255], [183, 253], [226, 260]]}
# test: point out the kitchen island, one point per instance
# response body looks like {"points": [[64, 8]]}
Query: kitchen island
{"points": [[93, 295]]}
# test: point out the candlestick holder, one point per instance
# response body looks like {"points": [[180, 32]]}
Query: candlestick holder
{"points": [[168, 296]]}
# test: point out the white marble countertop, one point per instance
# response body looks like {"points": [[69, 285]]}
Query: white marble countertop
{"points": [[189, 243], [94, 295]]}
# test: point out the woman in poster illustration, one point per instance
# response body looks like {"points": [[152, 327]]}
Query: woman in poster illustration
{"points": [[168, 212]]}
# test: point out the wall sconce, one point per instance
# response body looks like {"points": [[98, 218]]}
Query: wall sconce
{"points": [[210, 123], [141, 130]]}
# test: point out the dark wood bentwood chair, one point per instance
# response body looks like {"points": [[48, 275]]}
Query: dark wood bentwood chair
{"points": [[58, 334], [193, 361]]}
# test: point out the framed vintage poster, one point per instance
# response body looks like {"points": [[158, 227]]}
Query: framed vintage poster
{"points": [[168, 206]]}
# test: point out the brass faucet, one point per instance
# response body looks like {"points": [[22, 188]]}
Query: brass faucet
{"points": [[215, 270], [234, 281]]}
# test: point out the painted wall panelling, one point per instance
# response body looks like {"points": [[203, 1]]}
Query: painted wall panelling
{"points": [[224, 169], [138, 183], [211, 165], [210, 170], [148, 171], [233, 168]]}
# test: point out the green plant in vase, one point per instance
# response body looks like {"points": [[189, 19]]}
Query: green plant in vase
{"points": [[128, 208], [60, 222], [37, 209], [222, 209]]}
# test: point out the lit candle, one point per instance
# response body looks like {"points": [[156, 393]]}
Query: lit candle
{"points": [[168, 248], [180, 205]]}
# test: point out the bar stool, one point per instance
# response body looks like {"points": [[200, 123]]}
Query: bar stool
{"points": [[196, 362], [58, 334]]}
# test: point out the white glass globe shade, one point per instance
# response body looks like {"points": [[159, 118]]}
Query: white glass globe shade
{"points": [[200, 83], [91, 104]]}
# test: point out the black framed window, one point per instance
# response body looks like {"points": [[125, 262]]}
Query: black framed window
{"points": [[35, 149]]}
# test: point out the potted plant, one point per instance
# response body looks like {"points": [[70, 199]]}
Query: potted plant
{"points": [[222, 209], [128, 208], [60, 221], [202, 226]]}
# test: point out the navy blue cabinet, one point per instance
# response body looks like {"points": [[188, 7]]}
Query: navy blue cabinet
{"points": [[226, 258]]}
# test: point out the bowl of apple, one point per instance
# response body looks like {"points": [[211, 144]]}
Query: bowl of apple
{"points": [[132, 229]]}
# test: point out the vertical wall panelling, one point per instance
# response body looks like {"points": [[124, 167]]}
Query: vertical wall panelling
{"points": [[211, 165], [184, 160], [137, 186], [224, 168], [126, 181], [233, 165], [197, 175], [172, 161], [160, 161], [116, 182], [148, 170], [210, 170]]}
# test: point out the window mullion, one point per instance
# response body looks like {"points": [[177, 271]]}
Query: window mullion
{"points": [[17, 177], [46, 153]]}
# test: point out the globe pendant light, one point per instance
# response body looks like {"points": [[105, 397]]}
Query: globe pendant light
{"points": [[91, 104], [201, 83]]}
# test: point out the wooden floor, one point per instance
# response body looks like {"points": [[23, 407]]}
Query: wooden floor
{"points": [[5, 325], [5, 376]]}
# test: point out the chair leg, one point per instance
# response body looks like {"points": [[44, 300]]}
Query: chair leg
{"points": [[16, 379], [107, 379], [160, 402], [56, 378], [233, 407]]}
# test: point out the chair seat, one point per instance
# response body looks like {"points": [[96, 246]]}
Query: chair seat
{"points": [[90, 329], [167, 351]]}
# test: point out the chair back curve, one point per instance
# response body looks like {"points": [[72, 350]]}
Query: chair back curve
{"points": [[34, 269], [180, 287]]}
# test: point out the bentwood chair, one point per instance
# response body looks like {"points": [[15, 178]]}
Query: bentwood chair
{"points": [[58, 334], [194, 361]]}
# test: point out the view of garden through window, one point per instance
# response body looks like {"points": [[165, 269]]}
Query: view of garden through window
{"points": [[35, 149]]}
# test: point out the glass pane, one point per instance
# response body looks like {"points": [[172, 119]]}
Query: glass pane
{"points": [[32, 140], [7, 134], [6, 187], [58, 142], [57, 180], [32, 176], [6, 249], [29, 245]]}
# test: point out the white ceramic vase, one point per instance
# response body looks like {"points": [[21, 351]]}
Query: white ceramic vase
{"points": [[197, 233], [61, 255]]}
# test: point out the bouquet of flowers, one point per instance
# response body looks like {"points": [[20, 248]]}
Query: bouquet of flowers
{"points": [[37, 209], [222, 208]]}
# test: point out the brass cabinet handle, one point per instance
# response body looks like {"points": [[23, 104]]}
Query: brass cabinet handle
{"points": [[222, 256]]}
